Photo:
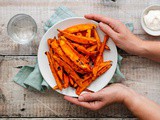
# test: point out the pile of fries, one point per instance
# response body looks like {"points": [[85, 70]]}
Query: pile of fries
{"points": [[76, 57]]}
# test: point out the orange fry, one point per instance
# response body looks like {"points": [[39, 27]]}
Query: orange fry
{"points": [[82, 49], [79, 55], [96, 36], [103, 70], [54, 71], [99, 67], [66, 81], [71, 81], [79, 34], [49, 42], [92, 48], [75, 85], [79, 28], [69, 70], [78, 39], [55, 87], [59, 70], [73, 56], [85, 85], [107, 47], [88, 33], [60, 53], [99, 58]]}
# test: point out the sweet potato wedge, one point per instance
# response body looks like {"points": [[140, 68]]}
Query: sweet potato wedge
{"points": [[66, 81], [73, 56], [58, 69], [76, 52], [92, 48], [96, 36], [60, 53], [82, 49], [99, 67], [99, 58], [51, 63], [69, 70], [88, 33], [78, 39], [79, 28], [85, 85]]}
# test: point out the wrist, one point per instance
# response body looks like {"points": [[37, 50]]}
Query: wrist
{"points": [[131, 100], [142, 48]]}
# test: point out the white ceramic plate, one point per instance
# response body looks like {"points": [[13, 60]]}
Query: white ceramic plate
{"points": [[100, 82]]}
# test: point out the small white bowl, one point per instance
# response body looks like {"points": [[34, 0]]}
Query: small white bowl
{"points": [[145, 12]]}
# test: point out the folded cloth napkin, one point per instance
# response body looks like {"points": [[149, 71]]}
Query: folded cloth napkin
{"points": [[30, 76]]}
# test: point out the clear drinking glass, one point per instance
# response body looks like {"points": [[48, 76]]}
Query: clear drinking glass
{"points": [[22, 28]]}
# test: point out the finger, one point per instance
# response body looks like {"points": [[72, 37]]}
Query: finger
{"points": [[88, 97], [77, 102], [108, 30], [115, 24]]}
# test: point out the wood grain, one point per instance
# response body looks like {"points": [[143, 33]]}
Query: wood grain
{"points": [[19, 102]]}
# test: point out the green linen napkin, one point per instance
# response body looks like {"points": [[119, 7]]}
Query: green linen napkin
{"points": [[30, 76]]}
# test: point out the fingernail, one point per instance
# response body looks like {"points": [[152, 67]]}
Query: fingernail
{"points": [[81, 98]]}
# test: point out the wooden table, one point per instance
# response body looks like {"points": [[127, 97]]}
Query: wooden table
{"points": [[142, 75]]}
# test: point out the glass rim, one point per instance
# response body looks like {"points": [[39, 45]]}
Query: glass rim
{"points": [[10, 21]]}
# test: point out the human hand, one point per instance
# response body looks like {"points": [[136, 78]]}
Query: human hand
{"points": [[119, 33], [114, 93]]}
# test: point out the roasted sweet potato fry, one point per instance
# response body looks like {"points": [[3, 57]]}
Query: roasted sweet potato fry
{"points": [[82, 49], [75, 85], [69, 70], [58, 69], [99, 58], [79, 28], [78, 39], [96, 36], [103, 70], [85, 85], [99, 67], [107, 47], [88, 33], [55, 87], [79, 34], [92, 48], [87, 76], [51, 62], [79, 55], [66, 81], [71, 81], [60, 53], [73, 56], [49, 41]]}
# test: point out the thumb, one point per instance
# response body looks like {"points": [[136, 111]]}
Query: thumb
{"points": [[86, 97], [108, 30]]}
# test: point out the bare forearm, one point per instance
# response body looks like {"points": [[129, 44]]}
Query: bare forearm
{"points": [[142, 107], [151, 50]]}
